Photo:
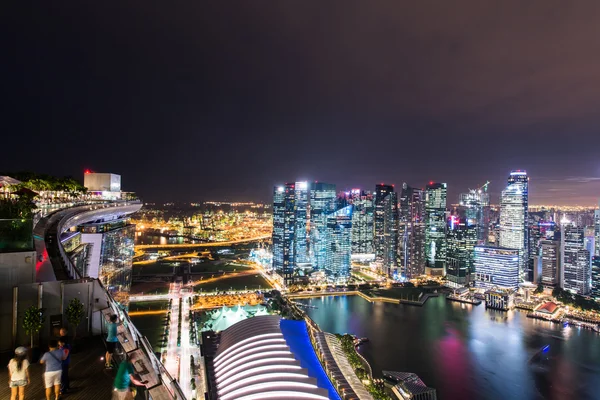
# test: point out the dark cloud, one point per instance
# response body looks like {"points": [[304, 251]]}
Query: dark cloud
{"points": [[210, 100]]}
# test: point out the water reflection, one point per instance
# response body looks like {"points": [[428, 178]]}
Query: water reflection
{"points": [[470, 352]]}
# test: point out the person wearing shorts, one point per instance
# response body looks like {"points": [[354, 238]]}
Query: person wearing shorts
{"points": [[53, 361], [18, 374], [111, 339], [124, 376]]}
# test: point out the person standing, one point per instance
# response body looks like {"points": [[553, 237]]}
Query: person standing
{"points": [[123, 378], [18, 374], [65, 383], [111, 339], [53, 362]]}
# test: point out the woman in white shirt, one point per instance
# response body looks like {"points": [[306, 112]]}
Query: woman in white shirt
{"points": [[18, 374]]}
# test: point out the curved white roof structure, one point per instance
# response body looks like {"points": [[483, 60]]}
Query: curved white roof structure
{"points": [[254, 361]]}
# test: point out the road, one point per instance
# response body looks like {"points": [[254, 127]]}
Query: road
{"points": [[194, 245]]}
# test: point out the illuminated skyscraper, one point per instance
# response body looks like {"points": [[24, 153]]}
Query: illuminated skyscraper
{"points": [[496, 266], [514, 206], [550, 257], [435, 228], [386, 228], [339, 227], [596, 278], [461, 241], [576, 261], [411, 232], [284, 228], [476, 204], [362, 222], [322, 203], [301, 227], [597, 232]]}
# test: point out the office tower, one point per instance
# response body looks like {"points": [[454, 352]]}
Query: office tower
{"points": [[339, 227], [284, 228], [576, 261], [390, 255], [476, 204], [411, 231], [362, 222], [550, 261], [301, 227], [461, 241], [597, 232], [435, 228], [595, 278], [385, 227], [496, 266], [322, 203], [538, 230], [514, 205]]}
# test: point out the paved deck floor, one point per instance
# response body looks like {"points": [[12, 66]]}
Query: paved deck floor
{"points": [[89, 379]]}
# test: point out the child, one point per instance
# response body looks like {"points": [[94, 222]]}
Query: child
{"points": [[18, 374]]}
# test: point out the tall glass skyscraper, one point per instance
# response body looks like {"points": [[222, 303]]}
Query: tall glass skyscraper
{"points": [[476, 204], [411, 232], [322, 203], [385, 227], [339, 226], [596, 278], [284, 228], [362, 222], [597, 232], [576, 261], [549, 253], [435, 228], [301, 234], [514, 207], [461, 242]]}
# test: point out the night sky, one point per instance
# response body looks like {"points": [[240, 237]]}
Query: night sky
{"points": [[222, 100]]}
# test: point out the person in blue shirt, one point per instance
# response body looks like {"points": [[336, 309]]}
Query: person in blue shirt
{"points": [[64, 380], [111, 339], [53, 361]]}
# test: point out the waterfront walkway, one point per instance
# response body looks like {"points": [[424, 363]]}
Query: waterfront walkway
{"points": [[308, 295]]}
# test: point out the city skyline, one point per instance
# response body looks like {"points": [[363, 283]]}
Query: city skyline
{"points": [[440, 96]]}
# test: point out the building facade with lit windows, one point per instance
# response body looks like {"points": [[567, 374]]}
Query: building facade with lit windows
{"points": [[575, 261], [550, 262], [411, 231], [514, 208], [322, 203], [385, 240], [284, 222], [339, 227], [301, 226], [597, 232], [496, 267], [596, 278], [461, 241], [435, 228], [476, 204], [362, 222]]}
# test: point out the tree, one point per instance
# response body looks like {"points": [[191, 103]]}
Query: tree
{"points": [[75, 312], [539, 289], [33, 321]]}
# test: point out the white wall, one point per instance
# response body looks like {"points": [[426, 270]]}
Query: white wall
{"points": [[96, 240]]}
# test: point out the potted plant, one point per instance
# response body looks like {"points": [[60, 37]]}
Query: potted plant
{"points": [[74, 313], [32, 323]]}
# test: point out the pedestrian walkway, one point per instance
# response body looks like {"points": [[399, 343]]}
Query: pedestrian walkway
{"points": [[89, 379]]}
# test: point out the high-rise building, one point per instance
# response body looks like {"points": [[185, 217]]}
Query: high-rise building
{"points": [[435, 228], [362, 222], [496, 267], [514, 207], [595, 278], [411, 231], [549, 259], [597, 232], [576, 261], [385, 228], [301, 227], [322, 203], [461, 241], [390, 255], [339, 226], [476, 204], [284, 228]]}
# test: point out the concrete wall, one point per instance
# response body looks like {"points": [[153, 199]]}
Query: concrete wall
{"points": [[96, 240]]}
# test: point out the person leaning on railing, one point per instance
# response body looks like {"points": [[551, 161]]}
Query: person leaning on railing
{"points": [[111, 339], [123, 379]]}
